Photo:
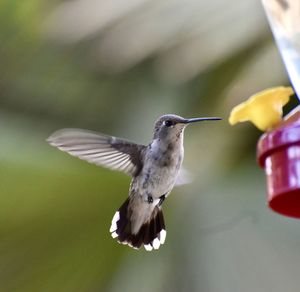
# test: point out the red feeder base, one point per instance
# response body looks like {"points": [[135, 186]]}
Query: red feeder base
{"points": [[278, 152]]}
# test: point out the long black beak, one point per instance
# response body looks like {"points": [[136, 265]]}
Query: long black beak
{"points": [[194, 120]]}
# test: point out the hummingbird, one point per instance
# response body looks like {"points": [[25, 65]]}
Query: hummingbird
{"points": [[154, 170]]}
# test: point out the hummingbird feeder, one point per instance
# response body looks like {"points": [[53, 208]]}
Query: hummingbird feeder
{"points": [[278, 150]]}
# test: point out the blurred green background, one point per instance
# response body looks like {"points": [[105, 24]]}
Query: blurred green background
{"points": [[114, 67]]}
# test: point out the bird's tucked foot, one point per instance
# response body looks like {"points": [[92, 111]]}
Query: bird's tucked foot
{"points": [[161, 200]]}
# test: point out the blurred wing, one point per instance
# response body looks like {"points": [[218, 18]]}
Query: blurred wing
{"points": [[102, 150], [184, 177]]}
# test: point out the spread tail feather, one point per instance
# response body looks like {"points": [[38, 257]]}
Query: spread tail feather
{"points": [[151, 234]]}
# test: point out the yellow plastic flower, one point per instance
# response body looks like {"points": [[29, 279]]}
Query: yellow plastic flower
{"points": [[263, 109]]}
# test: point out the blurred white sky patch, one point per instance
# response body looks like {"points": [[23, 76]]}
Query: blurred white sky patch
{"points": [[185, 37]]}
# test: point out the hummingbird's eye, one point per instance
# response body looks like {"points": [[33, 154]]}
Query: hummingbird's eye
{"points": [[168, 123]]}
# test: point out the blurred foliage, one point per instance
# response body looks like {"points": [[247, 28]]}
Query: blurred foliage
{"points": [[55, 211]]}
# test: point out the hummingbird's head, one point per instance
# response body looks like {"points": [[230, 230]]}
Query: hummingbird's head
{"points": [[170, 127]]}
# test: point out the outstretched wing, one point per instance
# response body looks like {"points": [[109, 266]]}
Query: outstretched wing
{"points": [[103, 150]]}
